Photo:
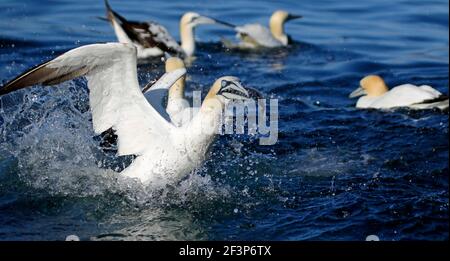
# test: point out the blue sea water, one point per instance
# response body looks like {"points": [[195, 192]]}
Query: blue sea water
{"points": [[336, 173]]}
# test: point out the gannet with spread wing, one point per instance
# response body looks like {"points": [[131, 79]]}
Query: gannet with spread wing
{"points": [[178, 108], [164, 151]]}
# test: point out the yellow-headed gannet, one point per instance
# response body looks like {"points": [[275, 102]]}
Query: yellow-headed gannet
{"points": [[163, 150], [178, 108], [256, 35], [377, 95], [153, 39]]}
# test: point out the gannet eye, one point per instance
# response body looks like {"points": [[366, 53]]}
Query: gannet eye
{"points": [[193, 19], [224, 84], [232, 90]]}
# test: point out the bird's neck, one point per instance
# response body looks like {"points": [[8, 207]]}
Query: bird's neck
{"points": [[206, 123], [176, 91], [379, 91], [187, 39], [277, 29]]}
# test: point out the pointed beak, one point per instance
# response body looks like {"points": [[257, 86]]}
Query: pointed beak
{"points": [[205, 20], [217, 21], [235, 91], [358, 92], [293, 17], [167, 55], [254, 94], [165, 81]]}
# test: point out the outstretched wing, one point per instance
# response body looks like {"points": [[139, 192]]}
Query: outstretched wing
{"points": [[144, 34], [116, 100]]}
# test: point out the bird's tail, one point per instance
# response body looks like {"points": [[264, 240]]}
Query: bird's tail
{"points": [[442, 103]]}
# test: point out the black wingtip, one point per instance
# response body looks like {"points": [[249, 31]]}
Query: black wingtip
{"points": [[111, 15], [3, 91], [39, 74], [16, 83], [9, 87], [109, 12], [441, 98], [108, 7]]}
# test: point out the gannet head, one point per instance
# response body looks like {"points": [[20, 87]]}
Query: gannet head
{"points": [[371, 85], [276, 23], [224, 90], [176, 91], [188, 23], [173, 63], [191, 19]]}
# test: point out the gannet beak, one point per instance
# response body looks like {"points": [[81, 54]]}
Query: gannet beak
{"points": [[167, 55], [165, 81], [254, 93], [233, 91], [293, 16], [204, 20], [358, 92], [217, 21]]}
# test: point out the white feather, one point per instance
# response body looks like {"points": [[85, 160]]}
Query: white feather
{"points": [[116, 100], [260, 34], [404, 95]]}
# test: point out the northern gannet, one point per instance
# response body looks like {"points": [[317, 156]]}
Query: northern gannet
{"points": [[178, 108], [377, 95], [256, 35], [164, 151], [152, 39]]}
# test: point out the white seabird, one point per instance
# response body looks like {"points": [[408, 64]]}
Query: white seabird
{"points": [[152, 39], [375, 94], [164, 151], [256, 35], [178, 108]]}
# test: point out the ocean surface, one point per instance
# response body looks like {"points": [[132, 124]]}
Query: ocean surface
{"points": [[336, 172]]}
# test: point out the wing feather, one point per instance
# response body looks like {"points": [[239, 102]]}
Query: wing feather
{"points": [[257, 34], [116, 101], [145, 34]]}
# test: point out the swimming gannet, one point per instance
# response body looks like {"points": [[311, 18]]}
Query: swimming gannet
{"points": [[178, 108], [153, 39], [163, 150], [377, 95], [256, 35]]}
